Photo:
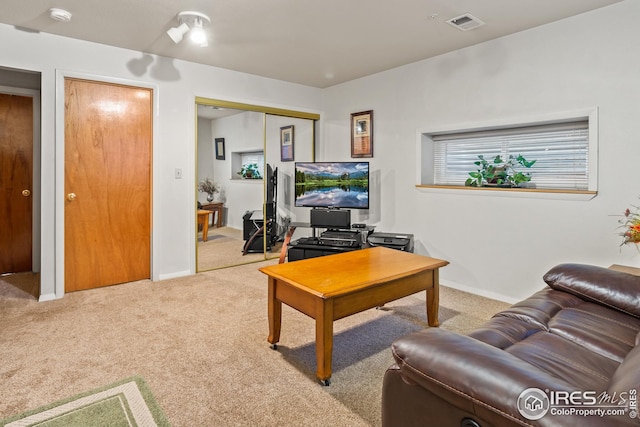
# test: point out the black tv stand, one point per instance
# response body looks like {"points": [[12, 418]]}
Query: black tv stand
{"points": [[306, 248], [331, 241]]}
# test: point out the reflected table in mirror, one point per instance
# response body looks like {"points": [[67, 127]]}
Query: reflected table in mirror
{"points": [[203, 220], [215, 207]]}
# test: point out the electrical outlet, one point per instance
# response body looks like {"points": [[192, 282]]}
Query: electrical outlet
{"points": [[178, 173]]}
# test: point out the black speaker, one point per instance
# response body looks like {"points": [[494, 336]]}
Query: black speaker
{"points": [[331, 218]]}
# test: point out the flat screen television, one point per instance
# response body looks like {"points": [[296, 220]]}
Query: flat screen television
{"points": [[332, 185]]}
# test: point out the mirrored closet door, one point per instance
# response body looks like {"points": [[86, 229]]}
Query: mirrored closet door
{"points": [[244, 188]]}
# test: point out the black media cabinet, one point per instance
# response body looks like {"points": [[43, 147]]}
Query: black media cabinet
{"points": [[337, 241], [330, 242], [306, 247]]}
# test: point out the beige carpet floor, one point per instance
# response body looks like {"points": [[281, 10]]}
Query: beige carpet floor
{"points": [[200, 343], [223, 248]]}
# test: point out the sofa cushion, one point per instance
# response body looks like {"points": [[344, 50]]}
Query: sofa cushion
{"points": [[615, 289], [561, 334], [594, 327], [525, 318]]}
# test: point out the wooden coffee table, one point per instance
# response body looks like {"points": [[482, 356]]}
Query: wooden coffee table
{"points": [[331, 287]]}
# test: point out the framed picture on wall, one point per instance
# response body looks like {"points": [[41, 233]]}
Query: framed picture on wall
{"points": [[362, 134], [219, 148], [286, 143]]}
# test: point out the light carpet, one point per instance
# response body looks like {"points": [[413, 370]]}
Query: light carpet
{"points": [[201, 344], [223, 248]]}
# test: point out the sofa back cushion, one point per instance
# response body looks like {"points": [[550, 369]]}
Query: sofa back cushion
{"points": [[615, 289]]}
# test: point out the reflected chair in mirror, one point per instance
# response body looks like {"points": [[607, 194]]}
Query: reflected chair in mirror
{"points": [[255, 227]]}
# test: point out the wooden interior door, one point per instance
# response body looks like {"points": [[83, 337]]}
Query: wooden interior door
{"points": [[16, 178], [108, 140]]}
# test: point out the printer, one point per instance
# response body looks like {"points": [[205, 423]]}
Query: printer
{"points": [[400, 241]]}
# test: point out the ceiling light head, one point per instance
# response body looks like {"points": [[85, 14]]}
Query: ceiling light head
{"points": [[192, 23], [177, 33], [59, 14], [197, 34]]}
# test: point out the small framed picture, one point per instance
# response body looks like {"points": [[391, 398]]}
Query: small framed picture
{"points": [[362, 134], [286, 143], [219, 148]]}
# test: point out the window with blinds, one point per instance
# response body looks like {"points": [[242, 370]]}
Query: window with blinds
{"points": [[561, 152], [256, 157]]}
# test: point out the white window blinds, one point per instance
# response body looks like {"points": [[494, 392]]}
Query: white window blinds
{"points": [[560, 150]]}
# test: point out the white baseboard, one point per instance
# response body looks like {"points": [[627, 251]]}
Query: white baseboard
{"points": [[479, 292], [174, 275], [47, 297]]}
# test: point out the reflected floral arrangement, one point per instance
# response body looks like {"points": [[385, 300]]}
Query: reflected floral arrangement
{"points": [[208, 186]]}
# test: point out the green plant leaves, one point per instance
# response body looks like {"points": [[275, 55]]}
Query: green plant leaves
{"points": [[499, 172]]}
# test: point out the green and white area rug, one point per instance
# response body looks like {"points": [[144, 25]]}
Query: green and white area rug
{"points": [[128, 403]]}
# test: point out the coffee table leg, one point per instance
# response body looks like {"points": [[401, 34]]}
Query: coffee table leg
{"points": [[324, 339], [275, 314], [205, 229], [433, 300]]}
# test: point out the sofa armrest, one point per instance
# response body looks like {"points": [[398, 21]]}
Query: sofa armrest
{"points": [[614, 289], [475, 377], [479, 379], [436, 358]]}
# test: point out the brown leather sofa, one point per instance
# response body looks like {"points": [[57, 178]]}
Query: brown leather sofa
{"points": [[569, 355]]}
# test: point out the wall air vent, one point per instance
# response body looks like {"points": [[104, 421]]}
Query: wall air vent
{"points": [[465, 22]]}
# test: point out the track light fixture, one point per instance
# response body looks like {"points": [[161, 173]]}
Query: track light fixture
{"points": [[192, 23]]}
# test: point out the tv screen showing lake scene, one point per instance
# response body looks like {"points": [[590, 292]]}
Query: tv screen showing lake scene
{"points": [[332, 184]]}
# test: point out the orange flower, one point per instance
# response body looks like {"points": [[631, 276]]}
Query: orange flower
{"points": [[631, 225]]}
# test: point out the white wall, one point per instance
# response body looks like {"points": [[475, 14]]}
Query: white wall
{"points": [[241, 132], [501, 246], [302, 152], [177, 84]]}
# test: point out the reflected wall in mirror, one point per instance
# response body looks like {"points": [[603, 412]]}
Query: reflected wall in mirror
{"points": [[302, 151], [229, 218]]}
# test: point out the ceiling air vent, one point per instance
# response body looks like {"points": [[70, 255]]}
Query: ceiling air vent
{"points": [[465, 22]]}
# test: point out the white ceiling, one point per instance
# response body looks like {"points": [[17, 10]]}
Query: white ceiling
{"points": [[318, 43]]}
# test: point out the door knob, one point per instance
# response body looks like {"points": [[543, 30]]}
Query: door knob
{"points": [[26, 193], [71, 197]]}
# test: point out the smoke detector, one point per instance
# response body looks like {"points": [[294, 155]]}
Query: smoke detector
{"points": [[59, 15], [465, 22]]}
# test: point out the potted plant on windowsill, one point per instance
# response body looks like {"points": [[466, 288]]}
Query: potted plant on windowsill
{"points": [[500, 172], [250, 171]]}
